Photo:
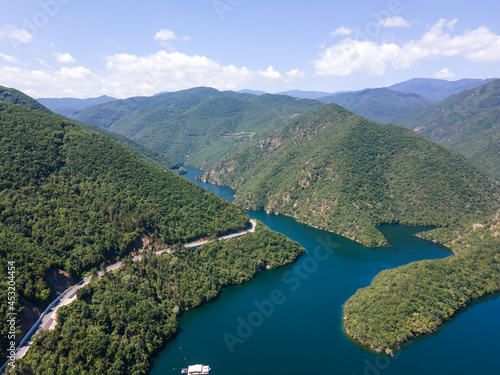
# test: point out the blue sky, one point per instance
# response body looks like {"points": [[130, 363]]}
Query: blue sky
{"points": [[87, 48]]}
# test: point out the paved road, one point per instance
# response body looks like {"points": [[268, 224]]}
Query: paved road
{"points": [[47, 320]]}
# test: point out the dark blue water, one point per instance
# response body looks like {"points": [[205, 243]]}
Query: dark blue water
{"points": [[289, 321]]}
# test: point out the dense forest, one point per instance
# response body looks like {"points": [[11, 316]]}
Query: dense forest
{"points": [[467, 122], [416, 299], [72, 200], [150, 156], [122, 319], [338, 171], [196, 126], [14, 96]]}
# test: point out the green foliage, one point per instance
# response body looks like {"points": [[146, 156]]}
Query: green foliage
{"points": [[17, 97], [467, 122], [340, 172], [147, 154], [379, 105], [416, 299], [196, 126], [121, 320], [71, 200]]}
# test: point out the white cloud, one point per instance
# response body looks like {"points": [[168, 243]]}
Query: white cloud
{"points": [[354, 56], [341, 31], [295, 74], [125, 75], [165, 34], [133, 75], [15, 34], [8, 58], [65, 58], [395, 21], [367, 57], [444, 74]]}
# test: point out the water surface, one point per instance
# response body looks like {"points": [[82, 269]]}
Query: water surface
{"points": [[289, 320]]}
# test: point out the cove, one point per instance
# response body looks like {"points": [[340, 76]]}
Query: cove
{"points": [[247, 331]]}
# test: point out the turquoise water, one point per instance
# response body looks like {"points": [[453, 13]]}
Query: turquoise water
{"points": [[289, 320]]}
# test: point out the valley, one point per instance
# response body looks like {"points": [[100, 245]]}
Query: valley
{"points": [[77, 197]]}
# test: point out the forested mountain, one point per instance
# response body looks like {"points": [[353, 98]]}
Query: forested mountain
{"points": [[338, 171], [72, 200], [124, 318], [196, 126], [379, 105], [14, 96], [153, 157], [437, 90], [468, 122], [69, 106]]}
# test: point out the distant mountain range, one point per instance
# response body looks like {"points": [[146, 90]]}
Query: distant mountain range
{"points": [[69, 106], [338, 171], [305, 94], [196, 126], [437, 90], [379, 105], [468, 122]]}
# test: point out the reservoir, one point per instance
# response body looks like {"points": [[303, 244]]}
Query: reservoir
{"points": [[249, 331]]}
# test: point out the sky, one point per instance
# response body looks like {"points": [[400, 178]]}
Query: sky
{"points": [[125, 48]]}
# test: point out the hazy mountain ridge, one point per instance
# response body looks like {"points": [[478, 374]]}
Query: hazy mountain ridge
{"points": [[468, 122], [69, 106], [437, 90], [379, 105]]}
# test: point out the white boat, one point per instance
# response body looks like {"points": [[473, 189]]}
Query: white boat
{"points": [[196, 370]]}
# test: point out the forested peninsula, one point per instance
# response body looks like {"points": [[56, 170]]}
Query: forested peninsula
{"points": [[418, 298], [72, 201], [120, 320], [337, 171]]}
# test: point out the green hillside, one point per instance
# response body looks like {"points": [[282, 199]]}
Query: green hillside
{"points": [[156, 159], [418, 298], [14, 96], [72, 200], [196, 126], [147, 154], [338, 171], [379, 105], [87, 340], [468, 122]]}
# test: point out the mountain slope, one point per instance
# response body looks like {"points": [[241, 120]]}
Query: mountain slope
{"points": [[152, 157], [437, 90], [69, 106], [196, 126], [72, 200], [14, 96], [338, 171], [379, 105], [468, 122]]}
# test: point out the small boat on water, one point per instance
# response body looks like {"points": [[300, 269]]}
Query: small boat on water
{"points": [[196, 370]]}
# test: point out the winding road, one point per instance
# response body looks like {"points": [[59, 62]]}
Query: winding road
{"points": [[47, 320]]}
